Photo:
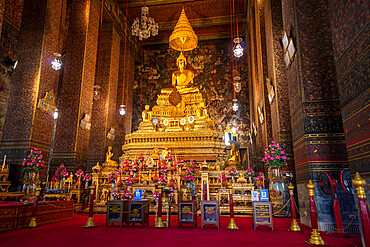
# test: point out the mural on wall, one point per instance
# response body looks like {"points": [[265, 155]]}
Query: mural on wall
{"points": [[210, 63]]}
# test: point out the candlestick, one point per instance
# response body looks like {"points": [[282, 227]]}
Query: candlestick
{"points": [[3, 167]]}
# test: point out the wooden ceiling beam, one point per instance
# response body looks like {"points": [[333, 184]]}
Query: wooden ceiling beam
{"points": [[135, 4]]}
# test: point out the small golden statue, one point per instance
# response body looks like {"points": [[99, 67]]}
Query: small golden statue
{"points": [[109, 163], [155, 155], [234, 156], [147, 114]]}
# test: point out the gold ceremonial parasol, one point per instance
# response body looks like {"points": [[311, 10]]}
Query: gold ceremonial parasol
{"points": [[183, 37]]}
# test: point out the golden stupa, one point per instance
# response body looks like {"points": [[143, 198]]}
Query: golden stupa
{"points": [[179, 121]]}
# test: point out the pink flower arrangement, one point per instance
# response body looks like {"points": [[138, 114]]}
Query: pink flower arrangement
{"points": [[233, 172], [162, 180], [274, 156], [112, 178], [87, 177], [249, 172], [34, 161], [191, 172], [79, 173], [60, 173], [126, 166], [129, 181], [126, 194], [162, 169]]}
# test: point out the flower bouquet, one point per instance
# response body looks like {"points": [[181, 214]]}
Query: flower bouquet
{"points": [[79, 174], [249, 172], [112, 178], [129, 181], [162, 180], [126, 195], [34, 161], [274, 156], [126, 166], [86, 179], [162, 169], [232, 172], [191, 172]]}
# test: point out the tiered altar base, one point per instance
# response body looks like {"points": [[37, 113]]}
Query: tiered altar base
{"points": [[197, 145]]}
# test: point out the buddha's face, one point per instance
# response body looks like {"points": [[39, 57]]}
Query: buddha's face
{"points": [[181, 64]]}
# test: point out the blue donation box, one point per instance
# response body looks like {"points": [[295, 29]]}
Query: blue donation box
{"points": [[138, 194], [264, 195]]}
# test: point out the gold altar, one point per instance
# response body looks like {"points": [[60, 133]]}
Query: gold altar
{"points": [[178, 126], [179, 120]]}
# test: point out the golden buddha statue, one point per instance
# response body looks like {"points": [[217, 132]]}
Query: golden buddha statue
{"points": [[146, 114], [109, 163], [182, 78], [155, 155], [234, 156]]}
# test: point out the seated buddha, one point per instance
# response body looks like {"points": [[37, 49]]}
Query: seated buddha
{"points": [[182, 78], [109, 163], [146, 114], [234, 156]]}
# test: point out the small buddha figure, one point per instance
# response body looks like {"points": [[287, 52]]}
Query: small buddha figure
{"points": [[155, 155], [146, 114], [182, 78], [234, 156], [108, 159]]}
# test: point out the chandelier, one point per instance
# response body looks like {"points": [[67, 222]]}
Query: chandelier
{"points": [[146, 26]]}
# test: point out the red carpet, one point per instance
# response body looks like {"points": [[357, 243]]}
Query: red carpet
{"points": [[70, 233]]}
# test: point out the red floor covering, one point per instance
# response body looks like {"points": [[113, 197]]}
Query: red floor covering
{"points": [[70, 233]]}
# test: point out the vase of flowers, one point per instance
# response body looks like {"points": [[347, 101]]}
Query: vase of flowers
{"points": [[129, 181], [274, 155], [249, 173], [162, 180], [233, 173], [60, 175], [112, 178], [275, 159], [79, 174], [86, 179], [31, 166], [126, 195]]}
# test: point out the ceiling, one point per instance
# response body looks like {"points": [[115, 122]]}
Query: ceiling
{"points": [[210, 19]]}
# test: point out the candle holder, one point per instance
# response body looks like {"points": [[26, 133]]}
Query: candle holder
{"points": [[232, 225], [90, 223], [159, 222]]}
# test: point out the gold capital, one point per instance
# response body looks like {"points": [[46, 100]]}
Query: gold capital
{"points": [[359, 183], [310, 187], [291, 188]]}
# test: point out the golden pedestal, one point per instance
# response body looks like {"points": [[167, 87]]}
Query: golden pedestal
{"points": [[90, 223], [294, 226], [315, 238], [232, 225]]}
